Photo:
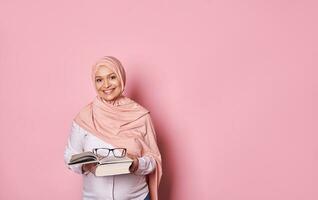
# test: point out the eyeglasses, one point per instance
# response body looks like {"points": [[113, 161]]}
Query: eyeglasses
{"points": [[104, 152]]}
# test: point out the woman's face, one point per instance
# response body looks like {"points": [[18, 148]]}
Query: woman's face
{"points": [[107, 83]]}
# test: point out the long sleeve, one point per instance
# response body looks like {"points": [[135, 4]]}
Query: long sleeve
{"points": [[74, 146], [146, 165]]}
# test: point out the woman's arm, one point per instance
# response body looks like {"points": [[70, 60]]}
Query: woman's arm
{"points": [[74, 146], [147, 163]]}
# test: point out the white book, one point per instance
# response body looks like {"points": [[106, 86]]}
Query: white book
{"points": [[113, 167]]}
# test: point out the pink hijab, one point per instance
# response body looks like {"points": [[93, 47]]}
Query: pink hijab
{"points": [[123, 123]]}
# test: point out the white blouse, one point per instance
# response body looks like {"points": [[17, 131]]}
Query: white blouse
{"points": [[119, 187]]}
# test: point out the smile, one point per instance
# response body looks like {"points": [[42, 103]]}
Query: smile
{"points": [[108, 91]]}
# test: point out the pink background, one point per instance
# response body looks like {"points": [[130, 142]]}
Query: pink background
{"points": [[231, 85]]}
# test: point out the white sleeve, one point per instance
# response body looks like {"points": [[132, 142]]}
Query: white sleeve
{"points": [[146, 165], [74, 146]]}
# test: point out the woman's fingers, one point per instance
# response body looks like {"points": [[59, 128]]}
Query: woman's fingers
{"points": [[134, 165], [91, 167]]}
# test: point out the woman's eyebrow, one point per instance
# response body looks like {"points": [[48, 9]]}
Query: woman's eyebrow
{"points": [[111, 74], [106, 75]]}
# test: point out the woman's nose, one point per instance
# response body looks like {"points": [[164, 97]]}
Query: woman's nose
{"points": [[106, 83]]}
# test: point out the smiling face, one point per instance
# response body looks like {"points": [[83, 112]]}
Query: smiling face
{"points": [[107, 83]]}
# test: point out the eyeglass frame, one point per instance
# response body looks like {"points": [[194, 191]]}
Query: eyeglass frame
{"points": [[94, 150]]}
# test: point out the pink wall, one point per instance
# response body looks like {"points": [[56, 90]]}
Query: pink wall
{"points": [[232, 87]]}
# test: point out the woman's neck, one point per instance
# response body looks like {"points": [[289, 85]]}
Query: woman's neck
{"points": [[113, 102]]}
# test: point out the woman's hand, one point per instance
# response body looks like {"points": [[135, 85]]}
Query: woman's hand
{"points": [[134, 165], [90, 167]]}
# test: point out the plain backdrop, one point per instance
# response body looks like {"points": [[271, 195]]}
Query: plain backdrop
{"points": [[231, 87]]}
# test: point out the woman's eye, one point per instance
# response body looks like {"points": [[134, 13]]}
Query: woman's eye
{"points": [[113, 77], [98, 80]]}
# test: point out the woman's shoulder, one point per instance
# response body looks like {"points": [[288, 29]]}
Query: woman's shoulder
{"points": [[75, 125], [76, 128]]}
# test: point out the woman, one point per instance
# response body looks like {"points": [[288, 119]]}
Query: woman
{"points": [[113, 120]]}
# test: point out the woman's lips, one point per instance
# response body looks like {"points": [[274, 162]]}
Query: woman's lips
{"points": [[108, 91]]}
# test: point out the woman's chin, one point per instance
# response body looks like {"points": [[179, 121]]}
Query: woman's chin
{"points": [[108, 98]]}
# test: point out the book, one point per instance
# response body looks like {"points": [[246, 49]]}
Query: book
{"points": [[84, 158], [114, 166], [107, 166]]}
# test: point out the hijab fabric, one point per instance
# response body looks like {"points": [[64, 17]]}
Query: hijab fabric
{"points": [[123, 123]]}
